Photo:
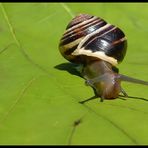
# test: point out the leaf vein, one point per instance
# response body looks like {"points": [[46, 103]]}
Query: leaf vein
{"points": [[4, 49], [113, 123], [22, 92], [68, 10], [10, 25], [12, 30]]}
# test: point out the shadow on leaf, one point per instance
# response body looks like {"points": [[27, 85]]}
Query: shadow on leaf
{"points": [[120, 97], [69, 67], [132, 97]]}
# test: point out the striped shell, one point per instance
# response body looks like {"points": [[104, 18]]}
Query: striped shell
{"points": [[90, 36]]}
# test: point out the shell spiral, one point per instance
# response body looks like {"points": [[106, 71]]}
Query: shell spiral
{"points": [[88, 36]]}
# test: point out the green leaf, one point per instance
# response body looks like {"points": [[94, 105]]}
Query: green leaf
{"points": [[40, 91]]}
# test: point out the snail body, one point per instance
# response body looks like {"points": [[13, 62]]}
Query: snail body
{"points": [[99, 47]]}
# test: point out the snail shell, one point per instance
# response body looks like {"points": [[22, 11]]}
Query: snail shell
{"points": [[89, 36]]}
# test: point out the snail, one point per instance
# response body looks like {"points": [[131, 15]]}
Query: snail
{"points": [[99, 47]]}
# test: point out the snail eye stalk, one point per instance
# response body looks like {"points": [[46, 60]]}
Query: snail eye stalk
{"points": [[132, 80]]}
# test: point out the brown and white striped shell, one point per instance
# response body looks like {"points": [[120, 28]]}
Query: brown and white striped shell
{"points": [[89, 36]]}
